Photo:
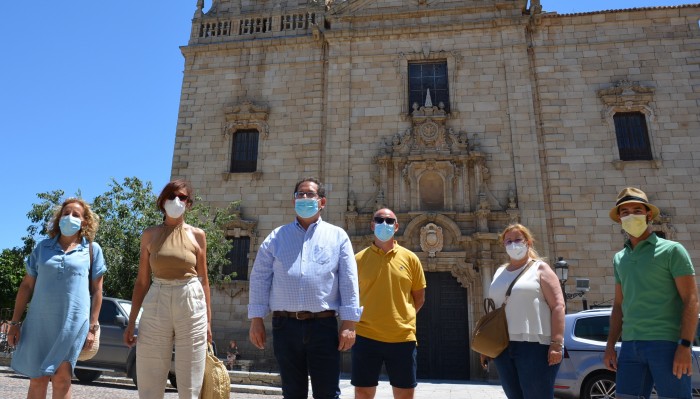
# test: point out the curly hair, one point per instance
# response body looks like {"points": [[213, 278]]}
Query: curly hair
{"points": [[91, 221], [532, 253]]}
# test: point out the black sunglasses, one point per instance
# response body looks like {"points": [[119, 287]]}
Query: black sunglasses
{"points": [[379, 220], [182, 197]]}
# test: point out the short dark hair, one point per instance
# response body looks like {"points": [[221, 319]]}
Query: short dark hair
{"points": [[321, 190], [170, 188]]}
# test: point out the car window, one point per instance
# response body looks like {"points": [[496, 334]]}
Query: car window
{"points": [[126, 305], [108, 312], [595, 328]]}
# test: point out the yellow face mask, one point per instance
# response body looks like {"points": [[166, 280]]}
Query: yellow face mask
{"points": [[634, 225]]}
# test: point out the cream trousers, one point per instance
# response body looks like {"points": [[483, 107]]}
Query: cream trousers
{"points": [[174, 313]]}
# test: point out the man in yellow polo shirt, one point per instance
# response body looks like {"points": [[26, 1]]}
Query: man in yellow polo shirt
{"points": [[392, 291]]}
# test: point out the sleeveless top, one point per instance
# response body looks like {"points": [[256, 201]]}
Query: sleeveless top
{"points": [[173, 255], [528, 314]]}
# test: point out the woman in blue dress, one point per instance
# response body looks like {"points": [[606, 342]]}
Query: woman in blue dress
{"points": [[61, 319]]}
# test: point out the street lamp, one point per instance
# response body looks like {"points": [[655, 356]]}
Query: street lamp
{"points": [[561, 268]]}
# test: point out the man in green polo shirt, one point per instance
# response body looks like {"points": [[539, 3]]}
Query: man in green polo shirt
{"points": [[655, 308]]}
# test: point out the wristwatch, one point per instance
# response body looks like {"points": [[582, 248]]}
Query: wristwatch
{"points": [[684, 342], [94, 328]]}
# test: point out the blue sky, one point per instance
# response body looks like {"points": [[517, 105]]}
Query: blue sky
{"points": [[89, 91]]}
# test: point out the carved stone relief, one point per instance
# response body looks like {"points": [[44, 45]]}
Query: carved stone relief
{"points": [[431, 239], [437, 182]]}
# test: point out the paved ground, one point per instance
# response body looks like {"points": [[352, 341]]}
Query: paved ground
{"points": [[13, 386]]}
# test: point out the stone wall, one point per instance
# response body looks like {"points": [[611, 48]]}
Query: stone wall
{"points": [[532, 93]]}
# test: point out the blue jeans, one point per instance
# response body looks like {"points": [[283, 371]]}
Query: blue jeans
{"points": [[644, 364], [525, 371], [306, 348]]}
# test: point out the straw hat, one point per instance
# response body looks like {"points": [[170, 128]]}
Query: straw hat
{"points": [[629, 195]]}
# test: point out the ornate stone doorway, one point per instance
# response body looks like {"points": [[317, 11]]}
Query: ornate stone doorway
{"points": [[436, 181]]}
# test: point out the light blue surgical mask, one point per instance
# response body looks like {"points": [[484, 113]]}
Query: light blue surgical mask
{"points": [[69, 225], [384, 232], [306, 207]]}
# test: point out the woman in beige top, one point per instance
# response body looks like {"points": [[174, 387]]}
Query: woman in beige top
{"points": [[176, 305]]}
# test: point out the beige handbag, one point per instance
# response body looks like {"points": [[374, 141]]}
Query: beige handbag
{"points": [[490, 336], [85, 353], [217, 383]]}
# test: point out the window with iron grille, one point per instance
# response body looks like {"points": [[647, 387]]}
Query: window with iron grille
{"points": [[244, 154], [238, 256], [428, 75], [632, 136]]}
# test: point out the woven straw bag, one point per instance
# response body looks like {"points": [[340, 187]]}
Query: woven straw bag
{"points": [[87, 354], [217, 383]]}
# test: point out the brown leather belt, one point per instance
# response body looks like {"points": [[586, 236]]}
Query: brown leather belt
{"points": [[304, 315]]}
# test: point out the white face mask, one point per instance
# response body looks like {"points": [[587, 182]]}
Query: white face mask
{"points": [[517, 251], [174, 208], [634, 225]]}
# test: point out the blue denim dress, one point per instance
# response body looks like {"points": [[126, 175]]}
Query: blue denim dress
{"points": [[57, 321]]}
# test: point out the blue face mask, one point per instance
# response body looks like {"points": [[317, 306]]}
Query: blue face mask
{"points": [[69, 225], [383, 231], [306, 207]]}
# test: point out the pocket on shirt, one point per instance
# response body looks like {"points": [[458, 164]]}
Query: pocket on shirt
{"points": [[322, 255]]}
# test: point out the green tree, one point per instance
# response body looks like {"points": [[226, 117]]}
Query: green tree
{"points": [[11, 273], [40, 215], [12, 260], [214, 221], [125, 210], [128, 209]]}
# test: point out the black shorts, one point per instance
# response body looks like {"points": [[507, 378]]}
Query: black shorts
{"points": [[399, 358]]}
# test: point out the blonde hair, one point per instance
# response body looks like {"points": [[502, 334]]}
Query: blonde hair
{"points": [[532, 253], [91, 221]]}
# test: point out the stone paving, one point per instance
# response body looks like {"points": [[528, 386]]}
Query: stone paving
{"points": [[13, 386]]}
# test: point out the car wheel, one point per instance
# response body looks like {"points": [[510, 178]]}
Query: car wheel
{"points": [[131, 371], [87, 376], [172, 379], [599, 386]]}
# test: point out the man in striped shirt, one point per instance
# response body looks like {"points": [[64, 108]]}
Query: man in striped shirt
{"points": [[305, 274]]}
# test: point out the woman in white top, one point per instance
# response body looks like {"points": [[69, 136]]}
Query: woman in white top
{"points": [[535, 314]]}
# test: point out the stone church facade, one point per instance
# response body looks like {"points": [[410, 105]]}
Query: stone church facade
{"points": [[462, 116]]}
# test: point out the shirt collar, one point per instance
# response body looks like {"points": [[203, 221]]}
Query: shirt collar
{"points": [[311, 226], [651, 240], [378, 250], [53, 243]]}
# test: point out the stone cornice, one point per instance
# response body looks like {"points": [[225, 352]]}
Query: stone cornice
{"points": [[554, 14]]}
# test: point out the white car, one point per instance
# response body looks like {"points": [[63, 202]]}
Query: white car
{"points": [[582, 373]]}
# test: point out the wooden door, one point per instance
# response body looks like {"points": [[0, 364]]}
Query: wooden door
{"points": [[443, 330]]}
